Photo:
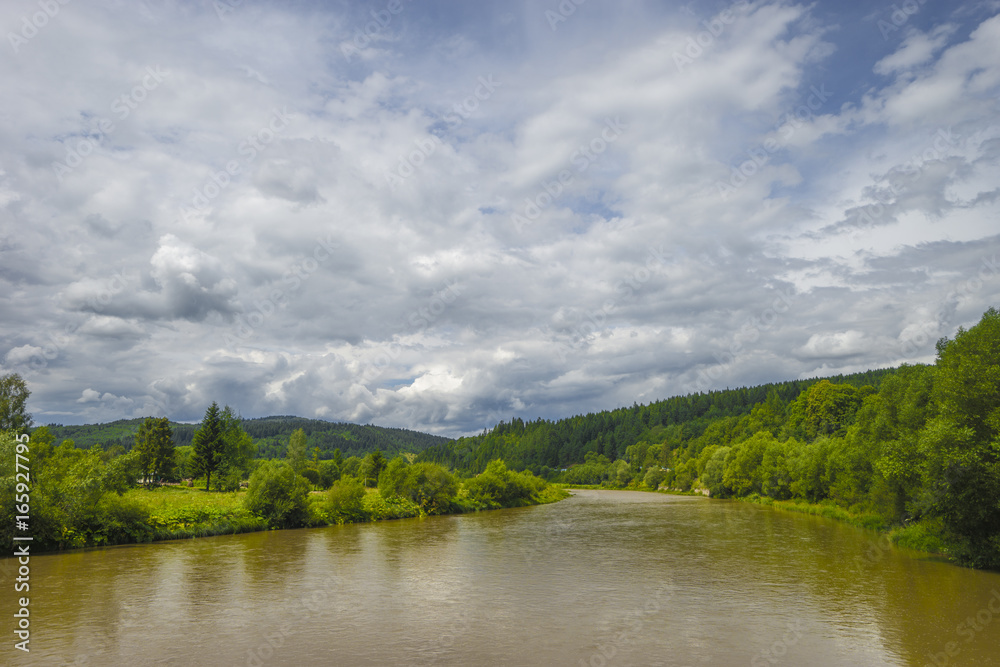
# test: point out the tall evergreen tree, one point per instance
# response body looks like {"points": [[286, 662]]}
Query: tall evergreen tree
{"points": [[209, 444]]}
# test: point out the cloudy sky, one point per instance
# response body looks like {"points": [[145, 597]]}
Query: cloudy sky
{"points": [[437, 215]]}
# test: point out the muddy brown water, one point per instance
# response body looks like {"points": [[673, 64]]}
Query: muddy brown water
{"points": [[602, 578]]}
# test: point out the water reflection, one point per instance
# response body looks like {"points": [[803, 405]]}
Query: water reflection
{"points": [[604, 577]]}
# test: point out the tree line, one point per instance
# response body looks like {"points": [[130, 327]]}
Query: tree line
{"points": [[81, 497], [915, 448]]}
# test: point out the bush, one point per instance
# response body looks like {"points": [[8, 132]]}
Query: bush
{"points": [[227, 480], [278, 495], [499, 487], [343, 501], [311, 475], [328, 474], [392, 480], [431, 486], [653, 477]]}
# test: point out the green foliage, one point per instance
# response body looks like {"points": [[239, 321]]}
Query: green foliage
{"points": [[328, 472], [499, 487], [269, 436], [14, 395], [371, 467], [296, 455], [430, 486], [962, 445], [238, 448], [742, 471], [272, 435], [392, 481], [713, 476], [276, 493], [155, 447], [343, 502], [653, 477], [209, 444]]}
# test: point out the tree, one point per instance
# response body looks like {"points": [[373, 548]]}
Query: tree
{"points": [[296, 455], [238, 449], [715, 466], [371, 467], [392, 481], [344, 501], [209, 444], [962, 445], [14, 394], [431, 486], [742, 466], [279, 495], [155, 446]]}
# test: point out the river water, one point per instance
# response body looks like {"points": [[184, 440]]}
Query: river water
{"points": [[602, 578]]}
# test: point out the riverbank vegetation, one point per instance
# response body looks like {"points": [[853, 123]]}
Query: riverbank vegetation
{"points": [[913, 450], [94, 497]]}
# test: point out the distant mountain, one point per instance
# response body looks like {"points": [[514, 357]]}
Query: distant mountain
{"points": [[269, 433]]}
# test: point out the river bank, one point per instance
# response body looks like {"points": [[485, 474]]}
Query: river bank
{"points": [[920, 536], [176, 512]]}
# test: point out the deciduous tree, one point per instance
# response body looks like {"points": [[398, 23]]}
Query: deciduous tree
{"points": [[14, 394]]}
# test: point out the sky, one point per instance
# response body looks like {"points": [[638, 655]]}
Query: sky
{"points": [[440, 215]]}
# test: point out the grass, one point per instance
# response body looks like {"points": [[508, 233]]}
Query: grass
{"points": [[921, 536], [177, 512]]}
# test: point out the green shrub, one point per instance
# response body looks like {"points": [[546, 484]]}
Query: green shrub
{"points": [[311, 475], [499, 487], [279, 495], [344, 501], [392, 480], [430, 486]]}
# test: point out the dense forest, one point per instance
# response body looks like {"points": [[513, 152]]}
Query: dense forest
{"points": [[917, 448], [270, 435], [544, 446]]}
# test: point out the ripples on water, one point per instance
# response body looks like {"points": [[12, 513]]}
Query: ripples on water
{"points": [[603, 578]]}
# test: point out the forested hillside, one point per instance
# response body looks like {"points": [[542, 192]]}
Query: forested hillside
{"points": [[916, 448], [545, 446], [270, 435]]}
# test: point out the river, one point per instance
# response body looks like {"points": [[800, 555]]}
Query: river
{"points": [[602, 578]]}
